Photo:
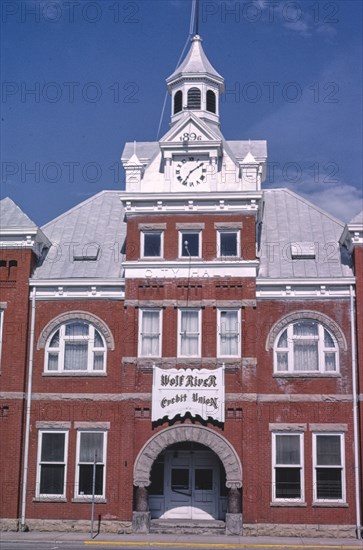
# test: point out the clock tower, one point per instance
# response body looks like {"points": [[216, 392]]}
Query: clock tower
{"points": [[193, 156]]}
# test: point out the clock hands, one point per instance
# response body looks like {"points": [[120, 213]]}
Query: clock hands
{"points": [[191, 171]]}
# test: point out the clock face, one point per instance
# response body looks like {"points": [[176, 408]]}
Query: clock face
{"points": [[191, 171]]}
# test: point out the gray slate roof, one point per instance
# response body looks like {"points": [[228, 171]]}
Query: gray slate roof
{"points": [[94, 228], [358, 219], [12, 217], [289, 218]]}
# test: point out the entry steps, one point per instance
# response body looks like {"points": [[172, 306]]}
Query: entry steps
{"points": [[187, 526]]}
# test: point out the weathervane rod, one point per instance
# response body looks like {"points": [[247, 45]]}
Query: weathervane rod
{"points": [[197, 17]]}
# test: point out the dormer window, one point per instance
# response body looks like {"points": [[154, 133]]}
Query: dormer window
{"points": [[211, 101], [194, 98], [178, 102]]}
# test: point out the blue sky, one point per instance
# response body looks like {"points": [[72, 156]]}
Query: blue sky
{"points": [[82, 77]]}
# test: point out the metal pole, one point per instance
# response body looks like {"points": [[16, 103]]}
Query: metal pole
{"points": [[93, 494]]}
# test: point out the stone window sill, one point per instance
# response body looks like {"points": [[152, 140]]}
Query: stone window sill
{"points": [[306, 375], [288, 504], [74, 374], [88, 500], [49, 499], [330, 505]]}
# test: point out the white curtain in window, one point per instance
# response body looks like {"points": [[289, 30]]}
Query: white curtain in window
{"points": [[75, 355], [91, 443], [150, 333], [229, 333], [189, 333], [306, 354]]}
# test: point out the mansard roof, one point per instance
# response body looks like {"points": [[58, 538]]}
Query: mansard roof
{"points": [[87, 241], [298, 240]]}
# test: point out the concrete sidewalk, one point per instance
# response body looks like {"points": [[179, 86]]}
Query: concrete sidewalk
{"points": [[207, 542]]}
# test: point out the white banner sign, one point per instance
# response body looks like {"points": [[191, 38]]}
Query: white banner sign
{"points": [[197, 391]]}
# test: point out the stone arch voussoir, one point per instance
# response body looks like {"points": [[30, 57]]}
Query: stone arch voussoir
{"points": [[177, 434]]}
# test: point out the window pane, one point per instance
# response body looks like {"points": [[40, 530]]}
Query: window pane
{"points": [[52, 447], [306, 328], [228, 244], [54, 343], [98, 343], [77, 329], [329, 483], [287, 449], [282, 361], [330, 363], [288, 483], [150, 333], [98, 360], [190, 242], [91, 443], [189, 321], [306, 356], [229, 336], [52, 361], [328, 450], [152, 244], [204, 480], [328, 340], [282, 343], [51, 479], [75, 355], [86, 479], [179, 479]]}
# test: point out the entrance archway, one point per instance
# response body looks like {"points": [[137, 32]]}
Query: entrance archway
{"points": [[189, 434]]}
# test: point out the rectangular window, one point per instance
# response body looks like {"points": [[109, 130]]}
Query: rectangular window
{"points": [[190, 244], [229, 330], [51, 470], [329, 476], [91, 455], [151, 244], [189, 341], [228, 243], [287, 457], [150, 333]]}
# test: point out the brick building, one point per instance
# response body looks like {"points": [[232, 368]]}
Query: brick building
{"points": [[185, 350]]}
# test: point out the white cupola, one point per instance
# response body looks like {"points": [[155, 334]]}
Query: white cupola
{"points": [[195, 86]]}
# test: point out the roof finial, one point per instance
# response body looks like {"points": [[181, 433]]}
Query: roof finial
{"points": [[134, 147], [196, 17]]}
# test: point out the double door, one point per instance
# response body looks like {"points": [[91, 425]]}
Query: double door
{"points": [[191, 488]]}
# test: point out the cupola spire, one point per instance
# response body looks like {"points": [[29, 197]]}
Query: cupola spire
{"points": [[195, 85]]}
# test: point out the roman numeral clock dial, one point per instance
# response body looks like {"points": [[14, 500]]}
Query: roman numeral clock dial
{"points": [[190, 171]]}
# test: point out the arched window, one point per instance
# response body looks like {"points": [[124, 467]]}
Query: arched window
{"points": [[76, 346], [211, 101], [178, 102], [194, 98], [306, 346]]}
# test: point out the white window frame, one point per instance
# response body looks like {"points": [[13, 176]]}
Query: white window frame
{"points": [[219, 246], [60, 350], [332, 466], [77, 496], [199, 333], [275, 466], [181, 244], [141, 312], [219, 333], [322, 349], [142, 243], [51, 496]]}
